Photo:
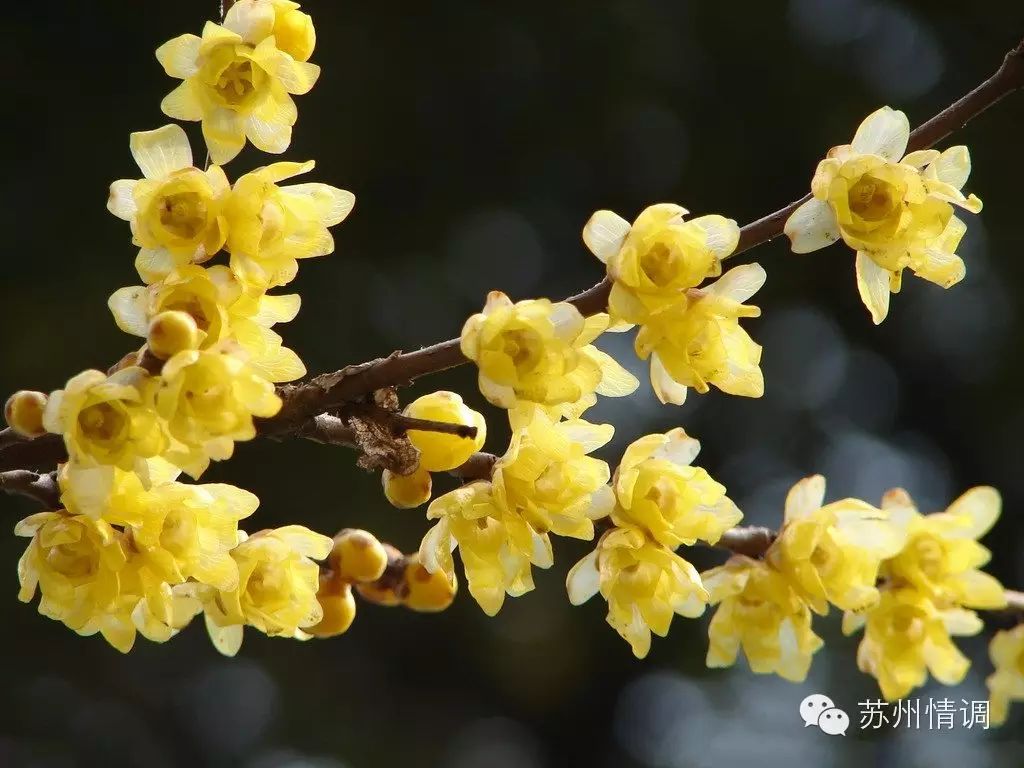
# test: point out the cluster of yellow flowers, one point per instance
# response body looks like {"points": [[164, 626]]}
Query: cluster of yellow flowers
{"points": [[132, 550], [659, 501], [691, 334], [894, 210]]}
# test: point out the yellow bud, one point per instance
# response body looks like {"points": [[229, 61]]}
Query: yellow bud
{"points": [[339, 608], [24, 412], [294, 33], [379, 594], [358, 556], [387, 588], [440, 452], [425, 591], [172, 332], [406, 491]]}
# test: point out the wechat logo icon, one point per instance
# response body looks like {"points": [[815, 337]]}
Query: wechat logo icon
{"points": [[818, 709]]}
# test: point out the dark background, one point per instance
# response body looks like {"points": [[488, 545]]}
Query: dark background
{"points": [[478, 138]]}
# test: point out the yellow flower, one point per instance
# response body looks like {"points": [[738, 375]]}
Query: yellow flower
{"points": [[215, 300], [547, 480], [111, 494], [258, 19], [905, 637], [188, 531], [74, 561], [658, 491], [277, 587], [942, 557], [699, 342], [107, 419], [497, 548], [896, 211], [208, 399], [441, 452], [1006, 684], [238, 82], [760, 612], [538, 352], [832, 553], [270, 226], [176, 211], [645, 584], [655, 261]]}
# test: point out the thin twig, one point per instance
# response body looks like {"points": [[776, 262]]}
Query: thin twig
{"points": [[34, 485]]}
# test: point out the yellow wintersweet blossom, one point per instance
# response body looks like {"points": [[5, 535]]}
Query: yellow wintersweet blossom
{"points": [[540, 352], [441, 452], [106, 492], [270, 226], [277, 587], [699, 342], [222, 309], [656, 260], [208, 399], [832, 553], [942, 557], [645, 584], [894, 210], [658, 491], [187, 532], [1006, 684], [547, 480], [238, 81], [75, 561], [762, 614], [176, 211], [906, 636], [107, 419], [497, 547]]}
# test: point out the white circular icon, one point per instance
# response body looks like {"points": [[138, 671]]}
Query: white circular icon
{"points": [[812, 707], [834, 721]]}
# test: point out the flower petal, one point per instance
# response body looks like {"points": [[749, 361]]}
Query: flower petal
{"points": [[805, 498], [884, 132], [121, 202], [584, 580], [721, 235], [179, 56], [739, 283], [128, 305], [812, 226], [873, 285], [162, 151], [605, 233]]}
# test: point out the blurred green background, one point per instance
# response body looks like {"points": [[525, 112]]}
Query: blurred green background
{"points": [[478, 138]]}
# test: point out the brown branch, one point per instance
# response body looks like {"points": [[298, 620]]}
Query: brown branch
{"points": [[479, 466], [34, 485], [303, 402], [751, 541]]}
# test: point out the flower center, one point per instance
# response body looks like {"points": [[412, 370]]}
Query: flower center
{"points": [[929, 556], [176, 534], [183, 214], [102, 422], [236, 83], [72, 560], [658, 264], [873, 199], [523, 346], [909, 624]]}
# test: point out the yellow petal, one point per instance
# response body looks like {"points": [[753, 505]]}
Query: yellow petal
{"points": [[162, 151], [812, 226], [179, 56], [884, 132], [873, 285], [182, 103], [605, 233]]}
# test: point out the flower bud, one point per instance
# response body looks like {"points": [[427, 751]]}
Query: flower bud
{"points": [[427, 592], [358, 556], [24, 413], [388, 588], [172, 332], [294, 33], [406, 491], [339, 607], [440, 452]]}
